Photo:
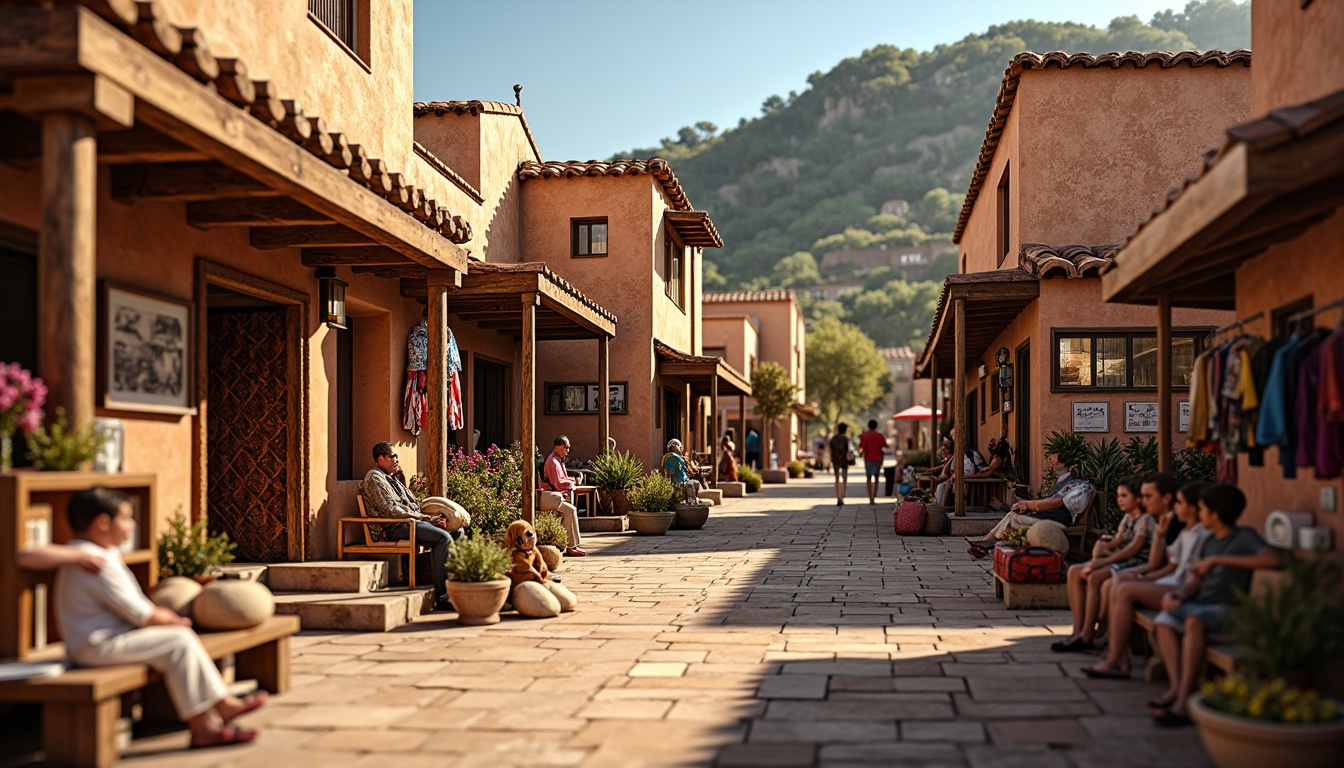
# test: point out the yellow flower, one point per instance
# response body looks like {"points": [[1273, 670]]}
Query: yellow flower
{"points": [[1243, 690], [1257, 708], [1329, 711], [1290, 715]]}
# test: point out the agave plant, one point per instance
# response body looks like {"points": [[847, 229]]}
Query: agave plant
{"points": [[616, 470]]}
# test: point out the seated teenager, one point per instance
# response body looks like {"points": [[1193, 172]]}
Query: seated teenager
{"points": [[942, 492], [1189, 614], [106, 620], [1157, 498], [1132, 589], [1000, 460], [1110, 555], [1062, 504]]}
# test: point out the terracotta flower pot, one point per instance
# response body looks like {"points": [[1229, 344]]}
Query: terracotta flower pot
{"points": [[552, 556], [478, 602], [692, 515], [651, 523], [617, 501], [1240, 742]]}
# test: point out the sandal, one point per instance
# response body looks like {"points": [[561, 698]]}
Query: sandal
{"points": [[250, 702], [1106, 674], [228, 736], [575, 553], [1076, 645], [1158, 706], [1169, 719], [977, 551]]}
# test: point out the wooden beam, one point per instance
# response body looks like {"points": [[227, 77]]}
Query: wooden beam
{"points": [[328, 235], [959, 391], [195, 57], [528, 353], [1164, 430], [367, 255], [22, 146], [436, 416], [742, 427], [252, 212], [711, 433], [100, 99], [933, 407], [183, 181], [234, 84], [604, 391]]}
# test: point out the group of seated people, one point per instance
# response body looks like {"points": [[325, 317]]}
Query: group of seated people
{"points": [[974, 465]]}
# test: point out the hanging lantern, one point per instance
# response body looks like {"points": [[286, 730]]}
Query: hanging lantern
{"points": [[333, 297]]}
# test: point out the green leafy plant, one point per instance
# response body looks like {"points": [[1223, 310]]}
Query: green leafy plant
{"points": [[751, 478], [1141, 453], [477, 559], [418, 485], [1105, 465], [187, 549], [488, 485], [550, 530], [1191, 464], [1071, 447], [1273, 701], [55, 447], [919, 459], [616, 470], [1295, 625], [653, 493], [796, 469]]}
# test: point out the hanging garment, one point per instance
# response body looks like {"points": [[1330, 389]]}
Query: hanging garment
{"points": [[1199, 402], [1319, 441], [1272, 428], [1332, 376], [456, 415], [415, 401], [1260, 367]]}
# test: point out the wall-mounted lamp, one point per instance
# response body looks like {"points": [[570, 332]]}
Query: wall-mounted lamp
{"points": [[984, 372], [333, 297]]}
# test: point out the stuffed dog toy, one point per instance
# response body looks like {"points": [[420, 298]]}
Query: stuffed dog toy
{"points": [[533, 593]]}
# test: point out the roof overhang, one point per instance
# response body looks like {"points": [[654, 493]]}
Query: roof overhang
{"points": [[993, 301], [694, 228], [806, 410], [700, 372], [1274, 178]]}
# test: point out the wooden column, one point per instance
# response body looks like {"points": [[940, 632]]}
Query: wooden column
{"points": [[1164, 410], [713, 430], [958, 462], [67, 268], [603, 392], [933, 406], [741, 428], [529, 354], [436, 384]]}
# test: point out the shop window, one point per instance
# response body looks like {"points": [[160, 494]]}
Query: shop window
{"points": [[1121, 360], [674, 259], [1005, 204], [346, 22], [588, 237]]}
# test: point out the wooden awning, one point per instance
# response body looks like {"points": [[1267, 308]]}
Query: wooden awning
{"points": [[1273, 179], [700, 372], [993, 300], [695, 228]]}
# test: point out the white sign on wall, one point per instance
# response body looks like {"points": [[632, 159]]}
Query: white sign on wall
{"points": [[1091, 417], [1185, 416], [1140, 417]]}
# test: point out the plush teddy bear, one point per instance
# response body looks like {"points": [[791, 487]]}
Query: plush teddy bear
{"points": [[533, 593]]}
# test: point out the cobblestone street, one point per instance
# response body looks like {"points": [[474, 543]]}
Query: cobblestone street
{"points": [[788, 632]]}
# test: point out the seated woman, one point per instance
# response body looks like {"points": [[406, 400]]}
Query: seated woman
{"points": [[676, 467], [942, 491], [1000, 461], [1111, 554]]}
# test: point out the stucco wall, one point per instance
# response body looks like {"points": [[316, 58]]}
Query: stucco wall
{"points": [[1298, 56], [979, 245]]}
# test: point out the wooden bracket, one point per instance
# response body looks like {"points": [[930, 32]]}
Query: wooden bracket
{"points": [[109, 105]]}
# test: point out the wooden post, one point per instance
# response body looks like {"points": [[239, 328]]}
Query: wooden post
{"points": [[933, 406], [713, 430], [741, 428], [529, 354], [959, 394], [603, 392], [66, 273], [436, 411], [1164, 410]]}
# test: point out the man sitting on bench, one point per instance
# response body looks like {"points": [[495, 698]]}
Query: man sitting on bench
{"points": [[1063, 504], [106, 620]]}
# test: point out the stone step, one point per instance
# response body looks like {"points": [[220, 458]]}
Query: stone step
{"points": [[381, 611], [711, 496], [244, 571], [972, 524], [604, 524], [775, 476], [335, 576], [732, 489]]}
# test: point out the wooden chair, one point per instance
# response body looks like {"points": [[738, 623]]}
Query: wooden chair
{"points": [[407, 547], [1088, 525], [702, 467]]}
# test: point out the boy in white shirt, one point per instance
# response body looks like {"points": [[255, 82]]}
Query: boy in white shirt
{"points": [[106, 620]]}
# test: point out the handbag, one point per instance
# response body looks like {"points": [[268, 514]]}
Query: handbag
{"points": [[849, 458], [909, 518]]}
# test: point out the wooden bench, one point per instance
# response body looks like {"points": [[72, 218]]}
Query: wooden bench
{"points": [[1088, 526], [407, 546], [980, 490], [81, 706]]}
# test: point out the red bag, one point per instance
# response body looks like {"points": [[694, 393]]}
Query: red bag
{"points": [[909, 518], [1036, 565]]}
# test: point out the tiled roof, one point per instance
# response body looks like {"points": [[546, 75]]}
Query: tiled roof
{"points": [[540, 268], [731, 296], [656, 167], [448, 173], [1003, 103], [897, 353], [473, 108], [696, 228], [1068, 261]]}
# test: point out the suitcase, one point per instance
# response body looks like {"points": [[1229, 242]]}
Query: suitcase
{"points": [[909, 518], [1034, 565]]}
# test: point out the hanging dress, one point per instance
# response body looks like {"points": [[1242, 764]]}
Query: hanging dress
{"points": [[417, 363], [456, 417]]}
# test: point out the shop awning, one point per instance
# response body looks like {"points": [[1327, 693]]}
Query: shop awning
{"points": [[700, 372], [1273, 178], [915, 413], [993, 300]]}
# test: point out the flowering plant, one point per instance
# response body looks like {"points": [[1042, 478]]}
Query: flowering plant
{"points": [[419, 487], [1274, 700], [488, 485], [21, 397]]}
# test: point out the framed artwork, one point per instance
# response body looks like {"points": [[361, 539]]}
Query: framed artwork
{"points": [[145, 351], [1092, 417], [109, 457], [1140, 417], [1185, 416], [581, 397]]}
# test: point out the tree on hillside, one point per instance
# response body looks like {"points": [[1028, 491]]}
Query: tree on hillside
{"points": [[1211, 24], [896, 314], [774, 393], [845, 370], [798, 269]]}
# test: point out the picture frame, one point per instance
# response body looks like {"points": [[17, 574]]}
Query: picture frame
{"points": [[110, 456], [145, 351], [1184, 418], [1091, 416], [1140, 416], [574, 398]]}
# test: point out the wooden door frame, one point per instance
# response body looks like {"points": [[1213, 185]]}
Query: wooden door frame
{"points": [[295, 303], [1022, 381]]}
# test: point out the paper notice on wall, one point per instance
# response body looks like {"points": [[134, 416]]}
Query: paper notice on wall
{"points": [[1185, 416], [1091, 417], [1140, 417]]}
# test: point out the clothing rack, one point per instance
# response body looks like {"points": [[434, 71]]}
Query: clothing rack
{"points": [[1306, 313], [1236, 325]]}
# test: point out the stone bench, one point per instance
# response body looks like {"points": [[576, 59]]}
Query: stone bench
{"points": [[1017, 596], [732, 489], [711, 496]]}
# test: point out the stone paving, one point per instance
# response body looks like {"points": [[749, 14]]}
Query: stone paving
{"points": [[788, 632]]}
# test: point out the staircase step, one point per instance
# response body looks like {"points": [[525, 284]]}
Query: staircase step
{"points": [[244, 571], [336, 576], [711, 496], [604, 524], [732, 489], [381, 611], [972, 523]]}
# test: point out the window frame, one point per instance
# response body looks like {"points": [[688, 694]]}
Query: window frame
{"points": [[1004, 209], [674, 253], [574, 240], [358, 47], [1198, 334]]}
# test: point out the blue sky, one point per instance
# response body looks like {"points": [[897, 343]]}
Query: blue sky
{"points": [[605, 76]]}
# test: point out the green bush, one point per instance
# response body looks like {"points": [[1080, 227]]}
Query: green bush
{"points": [[796, 469], [477, 559], [550, 530], [919, 459], [616, 470], [751, 478], [488, 485], [187, 549], [57, 448], [1293, 626], [1191, 464], [653, 493]]}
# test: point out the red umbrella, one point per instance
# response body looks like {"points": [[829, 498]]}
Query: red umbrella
{"points": [[915, 413]]}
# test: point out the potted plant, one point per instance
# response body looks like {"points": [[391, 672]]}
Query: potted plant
{"points": [[750, 478], [552, 539], [797, 469], [1290, 630], [614, 474], [21, 397], [477, 585], [56, 447], [651, 503], [187, 549]]}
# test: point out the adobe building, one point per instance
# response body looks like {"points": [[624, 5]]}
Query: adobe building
{"points": [[774, 323], [1257, 231], [1073, 145]]}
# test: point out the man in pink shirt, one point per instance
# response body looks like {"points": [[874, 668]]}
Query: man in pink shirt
{"points": [[872, 443], [557, 487]]}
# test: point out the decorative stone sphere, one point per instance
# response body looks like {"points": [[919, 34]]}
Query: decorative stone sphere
{"points": [[176, 593], [564, 595], [536, 601], [1048, 534], [232, 604]]}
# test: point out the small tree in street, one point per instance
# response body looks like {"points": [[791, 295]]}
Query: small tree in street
{"points": [[845, 370], [773, 391]]}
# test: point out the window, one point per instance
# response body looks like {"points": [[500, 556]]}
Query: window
{"points": [[673, 260], [588, 237], [982, 403], [1005, 208], [1121, 359], [346, 22], [715, 352], [994, 392]]}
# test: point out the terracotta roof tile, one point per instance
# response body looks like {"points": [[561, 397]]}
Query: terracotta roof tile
{"points": [[474, 108], [897, 353], [540, 268], [656, 167], [1067, 261], [1003, 102], [723, 297]]}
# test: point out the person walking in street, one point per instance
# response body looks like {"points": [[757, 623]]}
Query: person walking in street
{"points": [[872, 443], [842, 456], [752, 446]]}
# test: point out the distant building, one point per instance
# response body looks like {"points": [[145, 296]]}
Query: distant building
{"points": [[895, 208], [915, 260]]}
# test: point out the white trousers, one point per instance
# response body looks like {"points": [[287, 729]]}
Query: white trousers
{"points": [[1011, 521], [569, 514], [189, 673]]}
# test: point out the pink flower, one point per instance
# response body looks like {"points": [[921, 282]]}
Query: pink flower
{"points": [[29, 421], [8, 396]]}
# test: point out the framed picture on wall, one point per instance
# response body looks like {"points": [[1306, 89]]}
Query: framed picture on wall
{"points": [[581, 397], [1092, 417], [145, 351], [1140, 417], [1185, 416]]}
